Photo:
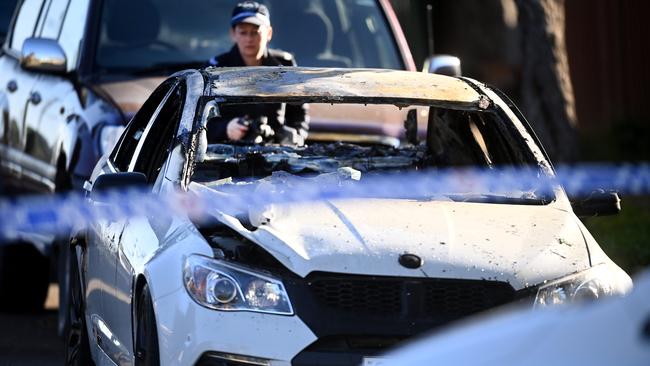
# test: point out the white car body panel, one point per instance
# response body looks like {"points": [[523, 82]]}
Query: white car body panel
{"points": [[185, 328], [611, 332], [520, 244]]}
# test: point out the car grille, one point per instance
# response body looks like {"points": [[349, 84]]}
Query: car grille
{"points": [[396, 296], [359, 296], [355, 316]]}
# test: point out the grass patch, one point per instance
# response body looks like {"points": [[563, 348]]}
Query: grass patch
{"points": [[625, 237]]}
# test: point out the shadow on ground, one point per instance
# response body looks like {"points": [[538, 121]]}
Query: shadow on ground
{"points": [[31, 339]]}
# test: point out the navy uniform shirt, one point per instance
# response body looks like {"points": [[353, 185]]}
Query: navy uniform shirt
{"points": [[282, 117]]}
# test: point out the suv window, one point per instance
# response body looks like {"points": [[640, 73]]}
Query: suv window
{"points": [[73, 28], [54, 19], [6, 11], [126, 146], [25, 24], [134, 35]]}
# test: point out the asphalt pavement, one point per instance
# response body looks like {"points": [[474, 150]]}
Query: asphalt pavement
{"points": [[31, 339]]}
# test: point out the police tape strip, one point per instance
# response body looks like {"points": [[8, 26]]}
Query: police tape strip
{"points": [[58, 214]]}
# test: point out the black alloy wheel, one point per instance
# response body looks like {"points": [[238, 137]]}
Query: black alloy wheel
{"points": [[77, 347], [146, 334]]}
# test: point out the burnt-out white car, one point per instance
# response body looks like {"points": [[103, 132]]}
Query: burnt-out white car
{"points": [[336, 280]]}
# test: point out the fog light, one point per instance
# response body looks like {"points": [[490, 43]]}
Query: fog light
{"points": [[223, 289]]}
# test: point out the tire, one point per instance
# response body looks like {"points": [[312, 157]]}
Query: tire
{"points": [[24, 278], [146, 334], [64, 255], [77, 346]]}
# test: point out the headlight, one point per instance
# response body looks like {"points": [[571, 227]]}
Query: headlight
{"points": [[598, 281], [108, 136], [224, 286]]}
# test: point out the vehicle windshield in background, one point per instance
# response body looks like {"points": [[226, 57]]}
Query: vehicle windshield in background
{"points": [[464, 140], [166, 34], [6, 11]]}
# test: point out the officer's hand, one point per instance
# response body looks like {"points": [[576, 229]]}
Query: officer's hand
{"points": [[235, 130]]}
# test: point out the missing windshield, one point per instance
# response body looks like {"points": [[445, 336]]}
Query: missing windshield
{"points": [[442, 141]]}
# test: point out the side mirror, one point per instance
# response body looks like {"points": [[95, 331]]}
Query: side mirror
{"points": [[44, 55], [116, 181], [442, 64], [597, 203]]}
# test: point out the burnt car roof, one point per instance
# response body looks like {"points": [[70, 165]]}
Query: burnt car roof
{"points": [[320, 85]]}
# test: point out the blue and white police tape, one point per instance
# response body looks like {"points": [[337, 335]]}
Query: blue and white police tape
{"points": [[58, 214]]}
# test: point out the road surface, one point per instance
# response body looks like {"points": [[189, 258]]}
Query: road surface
{"points": [[31, 339]]}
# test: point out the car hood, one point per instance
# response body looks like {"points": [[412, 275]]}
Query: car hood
{"points": [[520, 244], [130, 95]]}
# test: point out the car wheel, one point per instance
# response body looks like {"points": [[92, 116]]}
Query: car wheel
{"points": [[77, 346], [146, 335], [24, 278], [64, 254]]}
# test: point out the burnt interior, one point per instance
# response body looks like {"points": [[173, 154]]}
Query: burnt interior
{"points": [[258, 161], [454, 138]]}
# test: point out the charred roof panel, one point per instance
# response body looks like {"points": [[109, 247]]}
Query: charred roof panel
{"points": [[340, 86]]}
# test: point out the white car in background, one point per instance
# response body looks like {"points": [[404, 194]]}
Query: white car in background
{"points": [[612, 332], [337, 281]]}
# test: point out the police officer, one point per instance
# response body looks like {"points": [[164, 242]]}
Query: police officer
{"points": [[251, 32]]}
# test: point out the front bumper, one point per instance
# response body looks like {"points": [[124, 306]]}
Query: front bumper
{"points": [[188, 331], [332, 326]]}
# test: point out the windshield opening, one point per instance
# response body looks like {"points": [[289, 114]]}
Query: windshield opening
{"points": [[163, 36], [449, 141]]}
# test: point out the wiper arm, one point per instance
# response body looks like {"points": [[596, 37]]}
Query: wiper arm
{"points": [[493, 198]]}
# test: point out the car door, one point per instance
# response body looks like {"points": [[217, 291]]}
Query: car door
{"points": [[16, 85], [103, 235], [104, 306], [54, 104], [142, 235]]}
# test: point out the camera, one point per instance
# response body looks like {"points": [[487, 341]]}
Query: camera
{"points": [[259, 129]]}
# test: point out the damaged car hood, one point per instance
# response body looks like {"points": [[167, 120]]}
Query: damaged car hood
{"points": [[520, 244]]}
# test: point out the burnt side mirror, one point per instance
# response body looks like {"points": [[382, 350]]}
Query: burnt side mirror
{"points": [[597, 203], [43, 55], [442, 64], [106, 183]]}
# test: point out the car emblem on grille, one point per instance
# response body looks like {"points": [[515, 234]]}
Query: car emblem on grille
{"points": [[411, 261]]}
